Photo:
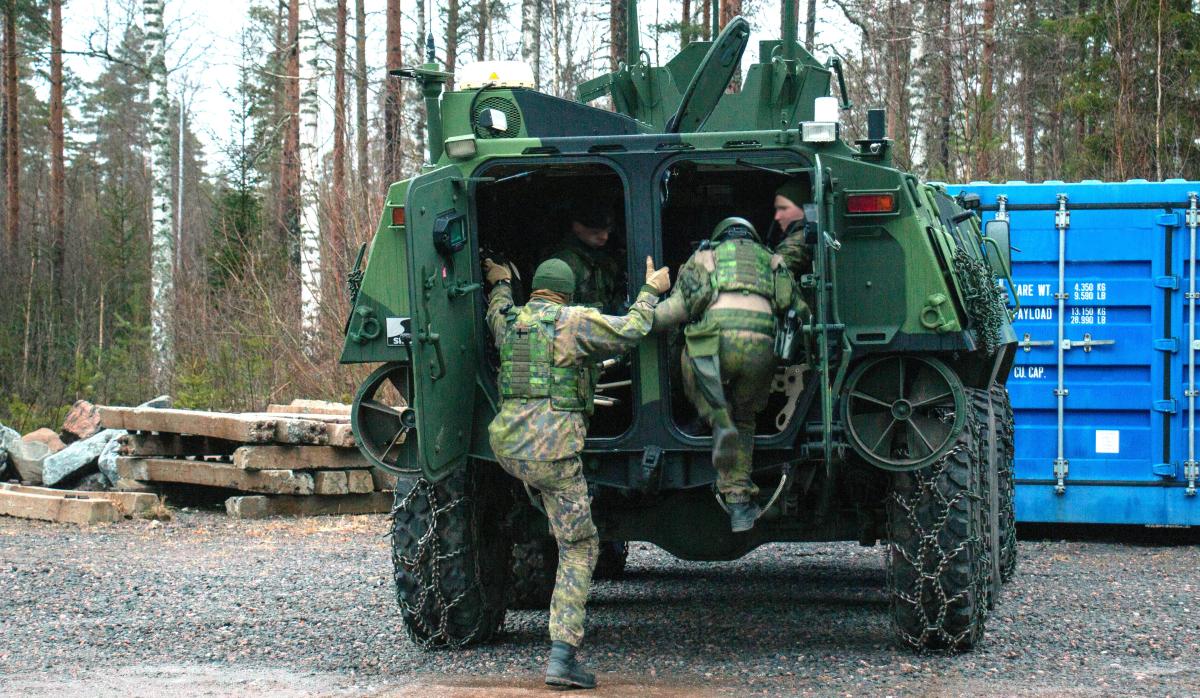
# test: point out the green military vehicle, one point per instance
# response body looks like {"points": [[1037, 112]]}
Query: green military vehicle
{"points": [[888, 420]]}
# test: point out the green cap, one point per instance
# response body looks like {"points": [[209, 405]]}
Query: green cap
{"points": [[733, 227], [554, 275], [792, 190]]}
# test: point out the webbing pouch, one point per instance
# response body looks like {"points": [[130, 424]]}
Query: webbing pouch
{"points": [[703, 338]]}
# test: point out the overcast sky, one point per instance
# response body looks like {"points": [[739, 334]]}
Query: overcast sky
{"points": [[205, 36]]}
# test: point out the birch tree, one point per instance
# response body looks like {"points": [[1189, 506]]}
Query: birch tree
{"points": [[531, 25], [162, 234], [310, 164]]}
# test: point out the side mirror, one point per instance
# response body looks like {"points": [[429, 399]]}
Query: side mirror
{"points": [[996, 237]]}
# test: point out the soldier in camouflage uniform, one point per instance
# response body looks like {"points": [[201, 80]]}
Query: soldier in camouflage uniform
{"points": [[730, 291], [599, 277], [790, 219], [548, 352]]}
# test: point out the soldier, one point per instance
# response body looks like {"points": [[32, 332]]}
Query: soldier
{"points": [[730, 290], [789, 216], [548, 352], [599, 277]]}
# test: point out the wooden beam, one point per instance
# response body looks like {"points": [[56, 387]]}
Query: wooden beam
{"points": [[60, 509], [209, 474], [261, 507], [127, 503], [146, 444], [330, 482], [312, 407], [298, 458], [249, 427]]}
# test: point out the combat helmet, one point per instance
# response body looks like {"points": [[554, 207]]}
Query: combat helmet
{"points": [[733, 228]]}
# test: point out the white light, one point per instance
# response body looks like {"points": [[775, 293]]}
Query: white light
{"points": [[825, 109], [494, 119], [496, 73], [461, 147], [818, 131]]}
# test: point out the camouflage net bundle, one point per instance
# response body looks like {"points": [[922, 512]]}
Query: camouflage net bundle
{"points": [[938, 567], [451, 579], [983, 298]]}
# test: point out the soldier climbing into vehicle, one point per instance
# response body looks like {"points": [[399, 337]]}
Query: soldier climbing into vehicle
{"points": [[731, 292], [549, 349], [586, 248]]}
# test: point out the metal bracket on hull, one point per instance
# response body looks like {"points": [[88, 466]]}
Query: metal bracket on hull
{"points": [[1191, 469]]}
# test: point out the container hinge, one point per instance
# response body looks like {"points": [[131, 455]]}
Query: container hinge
{"points": [[1061, 467], [1027, 344], [1167, 406], [1169, 282], [1167, 220], [1170, 344], [1001, 207], [1086, 343]]}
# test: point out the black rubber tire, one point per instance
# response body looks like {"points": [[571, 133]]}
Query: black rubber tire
{"points": [[937, 561], [1008, 489], [990, 453], [451, 556], [613, 556], [534, 564]]}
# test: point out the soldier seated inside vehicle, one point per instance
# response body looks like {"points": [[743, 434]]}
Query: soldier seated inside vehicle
{"points": [[696, 196], [526, 214]]}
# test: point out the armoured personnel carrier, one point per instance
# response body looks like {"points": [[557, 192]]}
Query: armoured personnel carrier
{"points": [[888, 420]]}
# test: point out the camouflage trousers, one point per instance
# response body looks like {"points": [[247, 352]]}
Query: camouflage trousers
{"points": [[565, 496], [747, 368]]}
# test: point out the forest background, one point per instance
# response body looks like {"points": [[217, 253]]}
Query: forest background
{"points": [[108, 192]]}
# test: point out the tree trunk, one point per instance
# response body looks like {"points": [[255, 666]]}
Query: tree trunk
{"points": [[393, 100], [617, 27], [310, 163], [360, 85], [685, 23], [162, 234], [531, 30], [729, 10], [12, 143], [984, 130], [484, 19], [810, 26], [1027, 72], [706, 14], [57, 177], [337, 211], [451, 40], [289, 161]]}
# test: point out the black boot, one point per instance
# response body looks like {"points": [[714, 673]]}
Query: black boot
{"points": [[564, 671], [742, 516]]}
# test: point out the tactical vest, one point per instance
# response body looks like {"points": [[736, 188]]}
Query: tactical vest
{"points": [[743, 265], [527, 369]]}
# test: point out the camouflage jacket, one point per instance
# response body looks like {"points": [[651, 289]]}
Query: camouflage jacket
{"points": [[528, 429], [599, 282], [795, 252], [694, 291]]}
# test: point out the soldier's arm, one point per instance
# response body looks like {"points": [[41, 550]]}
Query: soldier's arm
{"points": [[599, 336], [499, 301], [689, 298], [795, 253]]}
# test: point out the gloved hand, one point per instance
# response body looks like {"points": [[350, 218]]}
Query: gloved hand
{"points": [[660, 279], [495, 273]]}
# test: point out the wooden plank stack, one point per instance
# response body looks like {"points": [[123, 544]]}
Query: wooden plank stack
{"points": [[296, 459]]}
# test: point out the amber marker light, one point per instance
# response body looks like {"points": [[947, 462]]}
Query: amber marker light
{"points": [[398, 215], [870, 203]]}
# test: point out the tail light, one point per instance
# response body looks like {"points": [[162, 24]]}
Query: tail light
{"points": [[871, 203], [397, 215]]}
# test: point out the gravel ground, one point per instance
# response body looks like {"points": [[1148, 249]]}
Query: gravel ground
{"points": [[206, 605]]}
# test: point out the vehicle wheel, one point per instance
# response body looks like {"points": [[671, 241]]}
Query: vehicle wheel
{"points": [[451, 555], [988, 416], [611, 563], [534, 564], [1008, 489], [938, 567]]}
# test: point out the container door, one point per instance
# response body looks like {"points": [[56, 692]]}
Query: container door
{"points": [[442, 284]]}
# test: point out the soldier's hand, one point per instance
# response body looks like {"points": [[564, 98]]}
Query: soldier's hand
{"points": [[660, 279], [495, 273]]}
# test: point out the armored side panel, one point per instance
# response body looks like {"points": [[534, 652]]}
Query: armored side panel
{"points": [[1115, 446]]}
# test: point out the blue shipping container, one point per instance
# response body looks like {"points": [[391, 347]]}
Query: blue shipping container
{"points": [[1106, 277]]}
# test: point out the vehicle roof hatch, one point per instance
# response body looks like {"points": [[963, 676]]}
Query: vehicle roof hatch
{"points": [[700, 98]]}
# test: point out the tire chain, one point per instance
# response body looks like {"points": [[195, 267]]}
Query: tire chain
{"points": [[1008, 542], [429, 548], [933, 628]]}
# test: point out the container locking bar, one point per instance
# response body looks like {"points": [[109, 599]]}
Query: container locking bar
{"points": [[1086, 343], [1062, 221], [1191, 470], [1001, 207], [1028, 344]]}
